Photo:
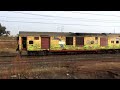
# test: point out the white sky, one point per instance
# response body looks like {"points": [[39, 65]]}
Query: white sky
{"points": [[74, 21]]}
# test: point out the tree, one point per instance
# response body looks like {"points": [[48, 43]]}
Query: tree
{"points": [[3, 31]]}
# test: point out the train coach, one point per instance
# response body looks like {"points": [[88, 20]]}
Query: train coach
{"points": [[37, 43]]}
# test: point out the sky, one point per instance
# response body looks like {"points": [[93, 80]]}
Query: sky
{"points": [[61, 21]]}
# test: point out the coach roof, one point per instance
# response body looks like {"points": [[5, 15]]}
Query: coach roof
{"points": [[24, 33]]}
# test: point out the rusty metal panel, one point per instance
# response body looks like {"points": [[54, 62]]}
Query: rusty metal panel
{"points": [[103, 41], [80, 41], [45, 42]]}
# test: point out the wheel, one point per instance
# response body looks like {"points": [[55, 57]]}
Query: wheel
{"points": [[45, 53], [20, 53], [29, 53]]}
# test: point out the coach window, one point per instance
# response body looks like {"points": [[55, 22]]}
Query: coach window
{"points": [[69, 40], [117, 41], [36, 38], [30, 42], [96, 38], [92, 42], [79, 41], [112, 41]]}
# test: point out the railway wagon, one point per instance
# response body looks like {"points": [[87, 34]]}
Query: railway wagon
{"points": [[37, 43]]}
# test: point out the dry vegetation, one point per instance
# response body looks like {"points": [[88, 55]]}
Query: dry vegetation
{"points": [[8, 45]]}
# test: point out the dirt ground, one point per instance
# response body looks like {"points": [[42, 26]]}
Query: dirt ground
{"points": [[87, 66], [51, 68]]}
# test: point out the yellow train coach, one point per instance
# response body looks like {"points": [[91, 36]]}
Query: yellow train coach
{"points": [[44, 42]]}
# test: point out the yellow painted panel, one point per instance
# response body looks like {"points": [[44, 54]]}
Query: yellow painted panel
{"points": [[113, 45], [36, 43], [74, 41], [56, 41], [20, 43], [30, 38], [88, 43]]}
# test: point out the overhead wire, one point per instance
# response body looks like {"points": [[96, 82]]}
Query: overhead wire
{"points": [[61, 16], [51, 15], [57, 19], [56, 23], [83, 19], [94, 14]]}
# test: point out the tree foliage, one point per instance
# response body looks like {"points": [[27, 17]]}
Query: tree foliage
{"points": [[3, 31]]}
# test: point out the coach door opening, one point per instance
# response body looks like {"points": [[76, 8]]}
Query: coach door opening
{"points": [[45, 42], [103, 41], [24, 43]]}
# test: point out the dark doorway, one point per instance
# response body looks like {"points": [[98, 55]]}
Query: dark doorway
{"points": [[24, 42], [45, 42]]}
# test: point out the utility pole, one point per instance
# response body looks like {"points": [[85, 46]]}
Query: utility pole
{"points": [[62, 28], [57, 29], [114, 30]]}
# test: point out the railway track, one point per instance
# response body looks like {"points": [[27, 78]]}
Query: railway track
{"points": [[64, 53], [71, 63], [61, 58]]}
